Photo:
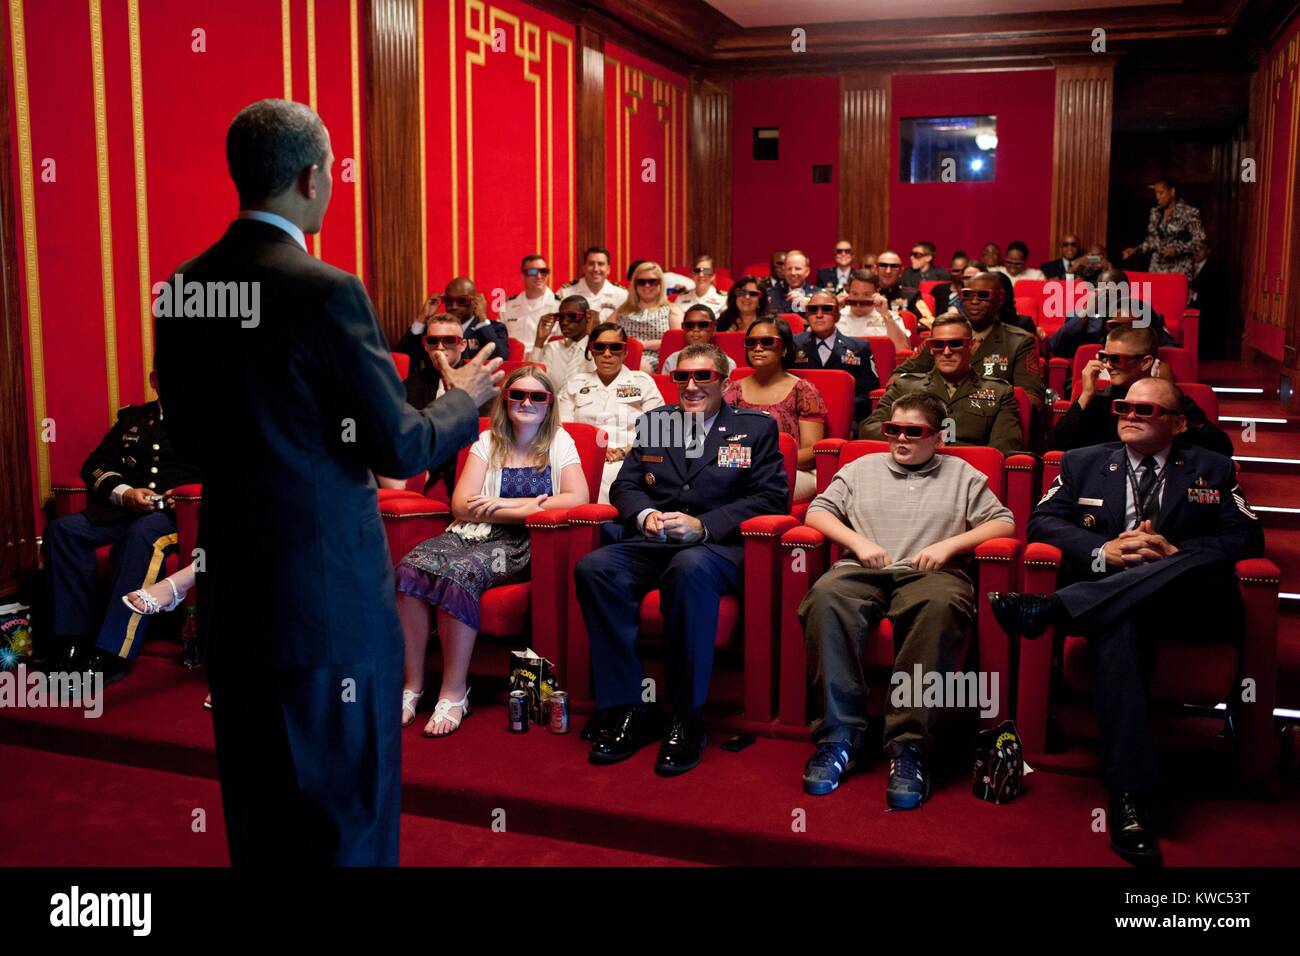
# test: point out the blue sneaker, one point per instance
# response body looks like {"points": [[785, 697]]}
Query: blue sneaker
{"points": [[909, 785], [828, 764]]}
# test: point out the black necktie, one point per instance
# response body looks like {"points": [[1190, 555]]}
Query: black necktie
{"points": [[1145, 506]]}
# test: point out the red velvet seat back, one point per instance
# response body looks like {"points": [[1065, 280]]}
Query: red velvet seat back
{"points": [[1168, 295], [403, 363], [837, 389], [884, 355], [733, 343]]}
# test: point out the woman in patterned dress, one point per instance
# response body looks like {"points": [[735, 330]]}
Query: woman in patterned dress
{"points": [[797, 406], [523, 464], [646, 315]]}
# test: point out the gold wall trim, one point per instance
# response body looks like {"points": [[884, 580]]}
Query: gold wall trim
{"points": [[286, 47], [455, 147], [357, 185], [31, 263], [141, 196], [105, 208], [311, 89]]}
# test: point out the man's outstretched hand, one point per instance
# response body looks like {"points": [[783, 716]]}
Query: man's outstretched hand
{"points": [[478, 377]]}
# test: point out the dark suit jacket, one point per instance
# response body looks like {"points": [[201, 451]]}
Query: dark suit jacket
{"points": [[1080, 427], [863, 369], [1053, 270], [288, 419], [1189, 517], [477, 334], [829, 278], [659, 475], [137, 443]]}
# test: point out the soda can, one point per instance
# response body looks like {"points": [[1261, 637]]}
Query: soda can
{"points": [[518, 712], [557, 721]]}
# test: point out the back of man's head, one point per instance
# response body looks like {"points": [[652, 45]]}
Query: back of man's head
{"points": [[269, 144]]}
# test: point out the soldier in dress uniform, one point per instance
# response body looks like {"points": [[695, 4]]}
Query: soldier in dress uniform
{"points": [[602, 295], [824, 346], [522, 312], [1001, 351], [128, 478], [983, 410], [1150, 530], [681, 498]]}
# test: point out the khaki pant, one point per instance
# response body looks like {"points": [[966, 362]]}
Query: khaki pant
{"points": [[931, 612]]}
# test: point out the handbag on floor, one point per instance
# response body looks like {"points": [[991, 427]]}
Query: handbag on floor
{"points": [[999, 763]]}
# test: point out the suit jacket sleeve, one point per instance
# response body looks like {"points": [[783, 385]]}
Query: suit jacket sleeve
{"points": [[1007, 436], [768, 490], [1053, 521], [1027, 371], [105, 460], [396, 439], [496, 333], [410, 344]]}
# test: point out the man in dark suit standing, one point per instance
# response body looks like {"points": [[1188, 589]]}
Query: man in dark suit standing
{"points": [[696, 472], [278, 384], [1150, 530], [1211, 294], [824, 346]]}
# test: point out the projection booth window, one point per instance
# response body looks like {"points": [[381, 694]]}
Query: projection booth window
{"points": [[939, 149]]}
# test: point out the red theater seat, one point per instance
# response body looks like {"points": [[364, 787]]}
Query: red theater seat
{"points": [[532, 612], [1179, 360], [1186, 673], [883, 354], [402, 362], [927, 292], [1169, 298], [794, 320], [758, 270], [806, 555], [512, 365], [837, 389], [733, 343], [516, 350], [751, 625]]}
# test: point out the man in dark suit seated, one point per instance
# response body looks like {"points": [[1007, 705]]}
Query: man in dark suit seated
{"points": [[1059, 268], [478, 330], [1150, 529], [696, 472], [1128, 357], [289, 412], [1210, 293], [837, 276], [824, 346], [127, 480], [922, 268]]}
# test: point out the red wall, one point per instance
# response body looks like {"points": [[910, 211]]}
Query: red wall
{"points": [[1017, 204], [776, 204], [645, 119]]}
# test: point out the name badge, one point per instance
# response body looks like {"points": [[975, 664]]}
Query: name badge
{"points": [[652, 459], [1092, 502], [734, 456], [1203, 496]]}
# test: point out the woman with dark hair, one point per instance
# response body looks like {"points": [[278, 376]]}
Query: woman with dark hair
{"points": [[796, 404], [612, 397], [746, 301], [524, 463], [1007, 313]]}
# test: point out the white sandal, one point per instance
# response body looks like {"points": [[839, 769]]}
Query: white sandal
{"points": [[151, 605], [410, 701], [442, 711]]}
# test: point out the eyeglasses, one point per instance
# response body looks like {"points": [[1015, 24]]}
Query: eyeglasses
{"points": [[969, 294], [766, 341], [1121, 408], [521, 395], [571, 316], [534, 271], [1115, 358], [701, 376], [748, 294], [647, 283], [858, 303], [844, 252], [694, 326], [889, 265], [444, 341], [456, 301], [899, 429], [1069, 245], [702, 271], [613, 348], [939, 345], [819, 309], [919, 255]]}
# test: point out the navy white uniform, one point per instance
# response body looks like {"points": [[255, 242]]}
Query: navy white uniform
{"points": [[738, 475], [1199, 507], [521, 315], [136, 453]]}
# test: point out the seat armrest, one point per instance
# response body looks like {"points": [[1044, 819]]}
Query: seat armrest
{"points": [[998, 563], [1259, 580], [803, 560]]}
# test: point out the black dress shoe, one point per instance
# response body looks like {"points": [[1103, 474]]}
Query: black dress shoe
{"points": [[72, 659], [1131, 835], [1023, 615], [111, 666], [682, 748], [625, 731]]}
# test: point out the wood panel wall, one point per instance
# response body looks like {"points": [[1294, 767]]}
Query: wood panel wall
{"points": [[708, 204], [864, 158], [1085, 92], [590, 133]]}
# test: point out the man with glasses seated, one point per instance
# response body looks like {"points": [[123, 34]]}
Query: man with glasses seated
{"points": [[791, 293], [922, 268], [983, 411], [567, 355], [823, 345], [906, 561], [889, 269], [462, 298], [1000, 351], [775, 271], [522, 312], [1060, 268], [837, 276], [699, 327], [697, 470], [1128, 357], [594, 286], [704, 292], [1150, 529]]}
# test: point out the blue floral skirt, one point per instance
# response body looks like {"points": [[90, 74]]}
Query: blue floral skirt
{"points": [[452, 573]]}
